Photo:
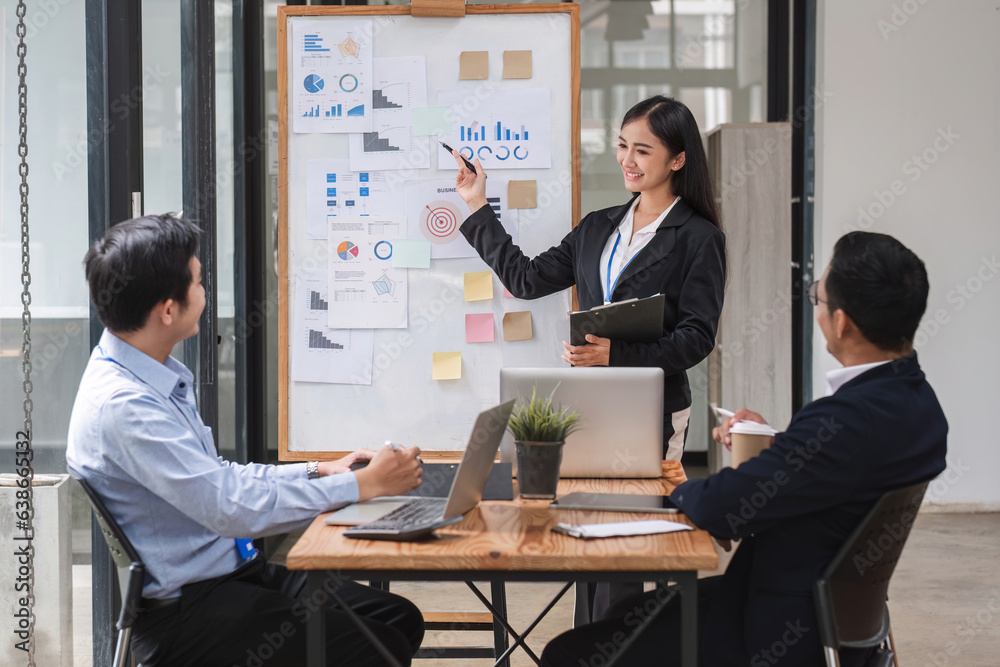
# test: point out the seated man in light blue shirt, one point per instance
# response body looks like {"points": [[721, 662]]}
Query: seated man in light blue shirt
{"points": [[136, 437]]}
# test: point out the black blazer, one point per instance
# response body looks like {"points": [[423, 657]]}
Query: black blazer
{"points": [[795, 505], [685, 260]]}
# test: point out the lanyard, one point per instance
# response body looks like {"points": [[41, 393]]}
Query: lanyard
{"points": [[609, 286]]}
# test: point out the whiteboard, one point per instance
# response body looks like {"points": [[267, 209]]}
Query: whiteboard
{"points": [[403, 403]]}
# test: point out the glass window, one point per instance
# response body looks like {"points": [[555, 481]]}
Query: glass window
{"points": [[58, 144]]}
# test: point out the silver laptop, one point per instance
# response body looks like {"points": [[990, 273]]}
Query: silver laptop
{"points": [[420, 517], [621, 426]]}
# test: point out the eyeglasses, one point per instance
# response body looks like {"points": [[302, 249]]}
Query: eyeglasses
{"points": [[813, 294]]}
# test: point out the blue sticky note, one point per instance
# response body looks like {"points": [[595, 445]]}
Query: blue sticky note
{"points": [[431, 121], [410, 254]]}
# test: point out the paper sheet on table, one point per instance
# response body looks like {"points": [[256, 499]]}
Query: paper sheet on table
{"points": [[479, 328], [447, 366], [474, 65], [517, 326], [331, 76], [478, 285], [517, 64], [434, 211], [431, 121], [399, 85], [366, 291], [333, 190], [510, 130], [322, 354], [623, 529], [411, 254]]}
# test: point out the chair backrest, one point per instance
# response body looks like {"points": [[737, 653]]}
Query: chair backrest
{"points": [[851, 594], [131, 571]]}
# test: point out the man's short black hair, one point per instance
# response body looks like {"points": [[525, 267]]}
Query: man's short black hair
{"points": [[881, 284], [138, 264]]}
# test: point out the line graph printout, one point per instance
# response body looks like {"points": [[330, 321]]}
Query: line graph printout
{"points": [[331, 75], [434, 212], [510, 130], [322, 354], [365, 291], [399, 86], [334, 190]]}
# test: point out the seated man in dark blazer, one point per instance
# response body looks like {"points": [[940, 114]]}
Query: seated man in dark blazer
{"points": [[879, 428]]}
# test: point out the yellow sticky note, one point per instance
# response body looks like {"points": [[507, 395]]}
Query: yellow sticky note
{"points": [[517, 326], [447, 366], [517, 64], [478, 285], [474, 65], [522, 194]]}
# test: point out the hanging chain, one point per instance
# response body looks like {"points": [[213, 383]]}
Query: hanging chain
{"points": [[26, 455]]}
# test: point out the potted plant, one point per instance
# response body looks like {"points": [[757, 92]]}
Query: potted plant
{"points": [[540, 430]]}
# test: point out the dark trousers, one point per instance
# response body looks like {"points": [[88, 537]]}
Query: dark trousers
{"points": [[659, 644], [256, 617]]}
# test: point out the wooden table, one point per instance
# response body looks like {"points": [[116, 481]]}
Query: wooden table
{"points": [[513, 541]]}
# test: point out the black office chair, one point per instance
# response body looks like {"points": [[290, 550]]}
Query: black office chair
{"points": [[130, 573], [851, 595]]}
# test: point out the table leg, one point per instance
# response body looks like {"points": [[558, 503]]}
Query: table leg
{"points": [[498, 593], [689, 618], [315, 624]]}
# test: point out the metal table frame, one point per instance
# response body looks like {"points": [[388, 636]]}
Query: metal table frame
{"points": [[686, 580]]}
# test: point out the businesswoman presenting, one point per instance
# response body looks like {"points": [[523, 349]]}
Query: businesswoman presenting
{"points": [[667, 239]]}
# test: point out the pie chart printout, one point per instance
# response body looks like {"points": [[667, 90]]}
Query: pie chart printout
{"points": [[347, 250], [313, 83], [439, 221]]}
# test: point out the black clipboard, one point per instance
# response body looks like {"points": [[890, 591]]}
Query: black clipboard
{"points": [[633, 321]]}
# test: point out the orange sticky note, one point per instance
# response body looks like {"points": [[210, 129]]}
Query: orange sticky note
{"points": [[447, 366], [474, 65], [517, 64], [479, 328], [517, 326], [522, 194]]}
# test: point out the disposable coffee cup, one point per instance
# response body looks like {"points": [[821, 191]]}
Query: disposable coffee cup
{"points": [[749, 439]]}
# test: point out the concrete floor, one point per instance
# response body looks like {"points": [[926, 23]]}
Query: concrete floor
{"points": [[945, 600]]}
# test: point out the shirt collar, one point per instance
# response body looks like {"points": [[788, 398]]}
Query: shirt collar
{"points": [[625, 227], [837, 378], [164, 378]]}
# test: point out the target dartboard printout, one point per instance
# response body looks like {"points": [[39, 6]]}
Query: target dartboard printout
{"points": [[434, 212]]}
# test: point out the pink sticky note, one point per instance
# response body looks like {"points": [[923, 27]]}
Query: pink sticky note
{"points": [[507, 293], [479, 328]]}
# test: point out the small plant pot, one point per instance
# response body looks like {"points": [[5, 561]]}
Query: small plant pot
{"points": [[538, 468]]}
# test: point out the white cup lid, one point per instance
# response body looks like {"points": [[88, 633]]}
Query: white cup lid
{"points": [[751, 428]]}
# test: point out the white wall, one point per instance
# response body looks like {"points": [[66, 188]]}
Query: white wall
{"points": [[905, 79]]}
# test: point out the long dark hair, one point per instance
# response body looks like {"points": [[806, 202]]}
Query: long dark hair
{"points": [[675, 126]]}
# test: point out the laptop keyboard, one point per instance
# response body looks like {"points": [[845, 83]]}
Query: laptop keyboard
{"points": [[413, 514]]}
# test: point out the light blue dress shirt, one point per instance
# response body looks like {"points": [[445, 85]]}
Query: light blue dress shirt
{"points": [[136, 437]]}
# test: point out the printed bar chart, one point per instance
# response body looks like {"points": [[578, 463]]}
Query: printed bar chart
{"points": [[316, 302], [504, 134], [318, 341], [313, 44]]}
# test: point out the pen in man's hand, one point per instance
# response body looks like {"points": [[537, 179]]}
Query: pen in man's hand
{"points": [[397, 447], [467, 163]]}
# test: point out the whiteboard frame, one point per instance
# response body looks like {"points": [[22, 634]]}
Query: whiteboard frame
{"points": [[286, 12]]}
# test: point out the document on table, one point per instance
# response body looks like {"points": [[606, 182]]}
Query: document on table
{"points": [[622, 529]]}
